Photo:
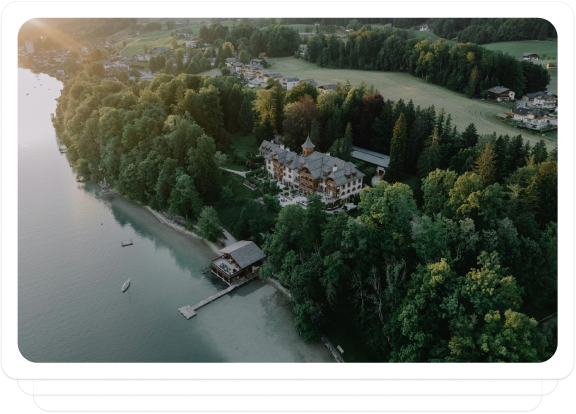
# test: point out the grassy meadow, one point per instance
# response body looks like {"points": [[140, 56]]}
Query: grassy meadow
{"points": [[394, 86]]}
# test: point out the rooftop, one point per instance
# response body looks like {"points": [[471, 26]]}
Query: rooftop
{"points": [[244, 253], [370, 156], [498, 89]]}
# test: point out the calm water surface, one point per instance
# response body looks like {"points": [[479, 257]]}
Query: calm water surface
{"points": [[71, 268]]}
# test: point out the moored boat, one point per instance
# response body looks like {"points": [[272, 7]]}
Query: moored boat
{"points": [[126, 285]]}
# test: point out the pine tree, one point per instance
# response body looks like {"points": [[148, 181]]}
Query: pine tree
{"points": [[429, 159], [315, 133], [333, 129], [539, 151], [205, 171], [396, 166], [232, 110], [485, 165], [469, 137], [245, 116]]}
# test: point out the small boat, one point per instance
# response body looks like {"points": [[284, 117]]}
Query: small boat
{"points": [[126, 285]]}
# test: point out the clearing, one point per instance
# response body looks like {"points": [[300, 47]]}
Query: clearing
{"points": [[395, 86]]}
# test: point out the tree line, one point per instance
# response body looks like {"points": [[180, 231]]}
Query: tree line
{"points": [[464, 67]]}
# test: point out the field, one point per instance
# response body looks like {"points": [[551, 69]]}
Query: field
{"points": [[545, 49], [429, 36], [548, 51], [396, 86], [243, 143], [150, 39]]}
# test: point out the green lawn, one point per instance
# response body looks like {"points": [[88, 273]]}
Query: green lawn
{"points": [[429, 36], [545, 49], [244, 143], [394, 86], [150, 39]]}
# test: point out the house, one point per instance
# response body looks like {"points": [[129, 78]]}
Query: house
{"points": [[331, 178], [530, 56], [326, 88], [310, 81], [424, 28], [237, 261], [551, 65], [541, 99], [500, 93], [230, 61], [250, 71], [159, 49], [191, 43], [212, 61], [502, 115], [257, 61], [289, 82], [532, 118], [381, 161], [237, 67], [276, 76]]}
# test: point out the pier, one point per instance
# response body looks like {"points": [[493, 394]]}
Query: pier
{"points": [[190, 311]]}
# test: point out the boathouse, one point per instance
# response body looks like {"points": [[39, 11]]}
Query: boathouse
{"points": [[237, 261]]}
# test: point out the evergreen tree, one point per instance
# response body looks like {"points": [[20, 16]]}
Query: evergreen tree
{"points": [[342, 148], [232, 110], [485, 165], [245, 116], [333, 129], [469, 137], [205, 171], [264, 131], [396, 166], [539, 151], [315, 133]]}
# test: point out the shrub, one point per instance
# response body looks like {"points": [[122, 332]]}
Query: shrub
{"points": [[271, 202]]}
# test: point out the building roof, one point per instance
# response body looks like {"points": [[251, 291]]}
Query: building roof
{"points": [[244, 253], [529, 54], [231, 60], [370, 156], [540, 94], [319, 165], [275, 75], [291, 79], [498, 89], [160, 49], [308, 143], [330, 86], [310, 81], [526, 111]]}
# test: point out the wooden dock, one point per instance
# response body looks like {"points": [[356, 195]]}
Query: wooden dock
{"points": [[127, 243], [190, 311]]}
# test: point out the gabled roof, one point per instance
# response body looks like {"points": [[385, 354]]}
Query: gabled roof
{"points": [[308, 143], [291, 79], [529, 54], [543, 95], [244, 253], [498, 89], [330, 86], [310, 81], [526, 111]]}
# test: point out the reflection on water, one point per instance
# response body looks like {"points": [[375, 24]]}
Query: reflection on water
{"points": [[71, 267]]}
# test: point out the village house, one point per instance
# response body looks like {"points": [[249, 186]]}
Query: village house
{"points": [[250, 71], [257, 62], [230, 61], [212, 61], [191, 43], [424, 28], [331, 178], [289, 82], [326, 88], [532, 118], [159, 49], [310, 81], [530, 56], [541, 100], [237, 261], [500, 93], [185, 30], [237, 67], [275, 76]]}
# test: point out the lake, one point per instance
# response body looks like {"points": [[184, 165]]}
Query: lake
{"points": [[71, 267]]}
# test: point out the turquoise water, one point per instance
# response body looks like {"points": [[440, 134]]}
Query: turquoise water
{"points": [[71, 268]]}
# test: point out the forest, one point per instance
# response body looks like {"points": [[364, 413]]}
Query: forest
{"points": [[464, 67], [458, 267]]}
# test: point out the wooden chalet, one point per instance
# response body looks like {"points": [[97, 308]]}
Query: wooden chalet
{"points": [[500, 93], [237, 261], [530, 56]]}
